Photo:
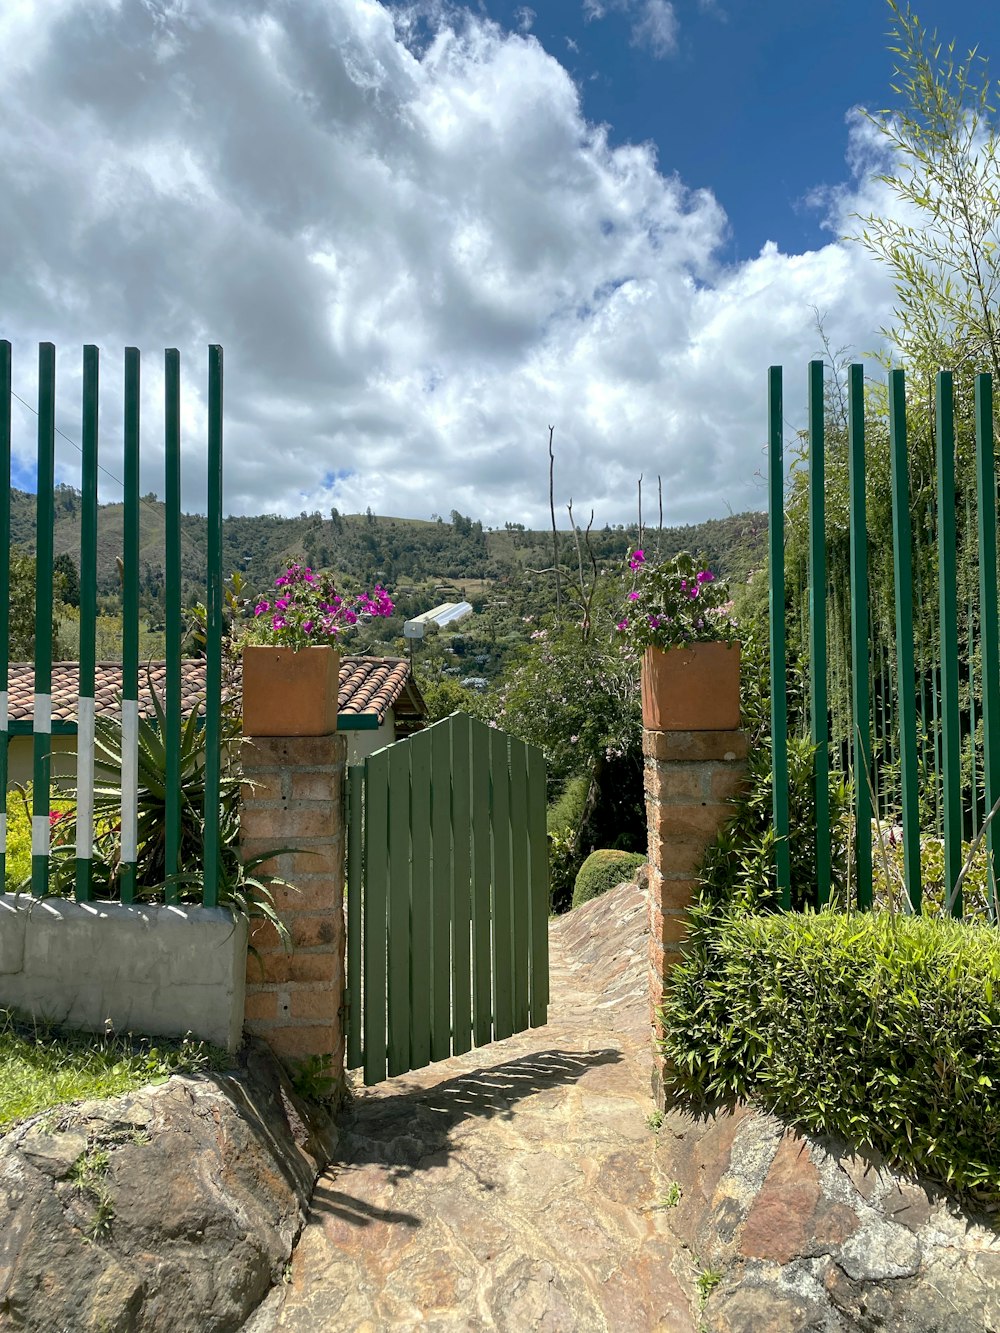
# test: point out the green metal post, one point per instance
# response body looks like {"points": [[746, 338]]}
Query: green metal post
{"points": [[902, 538], [5, 418], [860, 641], [948, 600], [779, 697], [970, 646], [989, 636], [213, 636], [172, 579], [130, 630], [820, 733], [86, 714], [45, 523]]}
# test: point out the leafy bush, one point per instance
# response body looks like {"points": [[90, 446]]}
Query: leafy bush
{"points": [[882, 1029], [564, 820], [18, 860], [603, 870], [891, 893]]}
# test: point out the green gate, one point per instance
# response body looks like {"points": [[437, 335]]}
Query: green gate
{"points": [[448, 897]]}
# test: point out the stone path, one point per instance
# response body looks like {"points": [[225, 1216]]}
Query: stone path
{"points": [[521, 1188], [513, 1188]]}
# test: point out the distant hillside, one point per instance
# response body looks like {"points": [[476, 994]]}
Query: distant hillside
{"points": [[364, 548]]}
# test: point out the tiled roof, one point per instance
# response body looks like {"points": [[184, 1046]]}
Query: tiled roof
{"points": [[368, 686]]}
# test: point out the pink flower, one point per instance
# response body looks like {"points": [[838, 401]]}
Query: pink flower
{"points": [[622, 624], [634, 595], [637, 558], [261, 607]]}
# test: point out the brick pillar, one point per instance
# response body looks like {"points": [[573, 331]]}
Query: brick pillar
{"points": [[293, 796], [690, 779]]}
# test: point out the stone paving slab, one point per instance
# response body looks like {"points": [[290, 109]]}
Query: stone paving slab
{"points": [[512, 1188]]}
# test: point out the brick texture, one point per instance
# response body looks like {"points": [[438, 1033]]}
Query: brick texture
{"points": [[691, 779], [293, 797]]}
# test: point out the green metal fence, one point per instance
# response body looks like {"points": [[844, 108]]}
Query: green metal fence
{"points": [[902, 697], [447, 902], [96, 457]]}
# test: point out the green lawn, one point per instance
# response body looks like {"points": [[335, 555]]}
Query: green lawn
{"points": [[42, 1067]]}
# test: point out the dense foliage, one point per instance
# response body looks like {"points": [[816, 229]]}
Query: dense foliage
{"points": [[883, 1029]]}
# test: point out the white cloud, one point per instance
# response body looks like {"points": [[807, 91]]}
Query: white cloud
{"points": [[655, 26], [653, 22], [416, 253]]}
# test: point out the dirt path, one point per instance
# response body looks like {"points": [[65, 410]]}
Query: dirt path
{"points": [[513, 1188]]}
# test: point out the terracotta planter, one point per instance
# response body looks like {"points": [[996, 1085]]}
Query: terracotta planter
{"points": [[289, 693], [691, 689]]}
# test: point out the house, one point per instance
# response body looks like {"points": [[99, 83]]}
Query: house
{"points": [[379, 702]]}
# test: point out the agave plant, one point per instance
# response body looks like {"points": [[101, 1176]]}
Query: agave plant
{"points": [[243, 886]]}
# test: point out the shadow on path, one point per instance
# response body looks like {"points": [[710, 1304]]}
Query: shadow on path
{"points": [[409, 1131]]}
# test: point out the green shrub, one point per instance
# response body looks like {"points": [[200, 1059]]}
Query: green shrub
{"points": [[564, 820], [565, 813], [17, 865], [880, 1028], [18, 860], [603, 870]]}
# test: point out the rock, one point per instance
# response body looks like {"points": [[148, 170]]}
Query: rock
{"points": [[769, 1305], [53, 1154], [196, 1194], [882, 1249], [780, 1222]]}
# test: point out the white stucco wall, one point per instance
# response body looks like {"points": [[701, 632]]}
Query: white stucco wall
{"points": [[360, 744], [162, 971]]}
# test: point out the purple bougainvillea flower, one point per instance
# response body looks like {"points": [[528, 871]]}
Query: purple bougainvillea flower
{"points": [[261, 607], [622, 624]]}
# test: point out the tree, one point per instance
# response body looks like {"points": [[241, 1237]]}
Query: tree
{"points": [[65, 569], [21, 634], [946, 261]]}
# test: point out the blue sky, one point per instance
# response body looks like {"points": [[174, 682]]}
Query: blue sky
{"points": [[751, 100], [425, 232]]}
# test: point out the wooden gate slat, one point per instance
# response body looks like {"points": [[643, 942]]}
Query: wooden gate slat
{"points": [[421, 901], [440, 871], [520, 879], [355, 890], [502, 895], [538, 848], [376, 863], [461, 899], [399, 937], [482, 999]]}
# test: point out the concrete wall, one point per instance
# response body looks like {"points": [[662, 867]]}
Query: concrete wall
{"points": [[20, 760], [154, 970]]}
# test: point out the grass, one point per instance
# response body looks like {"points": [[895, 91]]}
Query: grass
{"points": [[42, 1066]]}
